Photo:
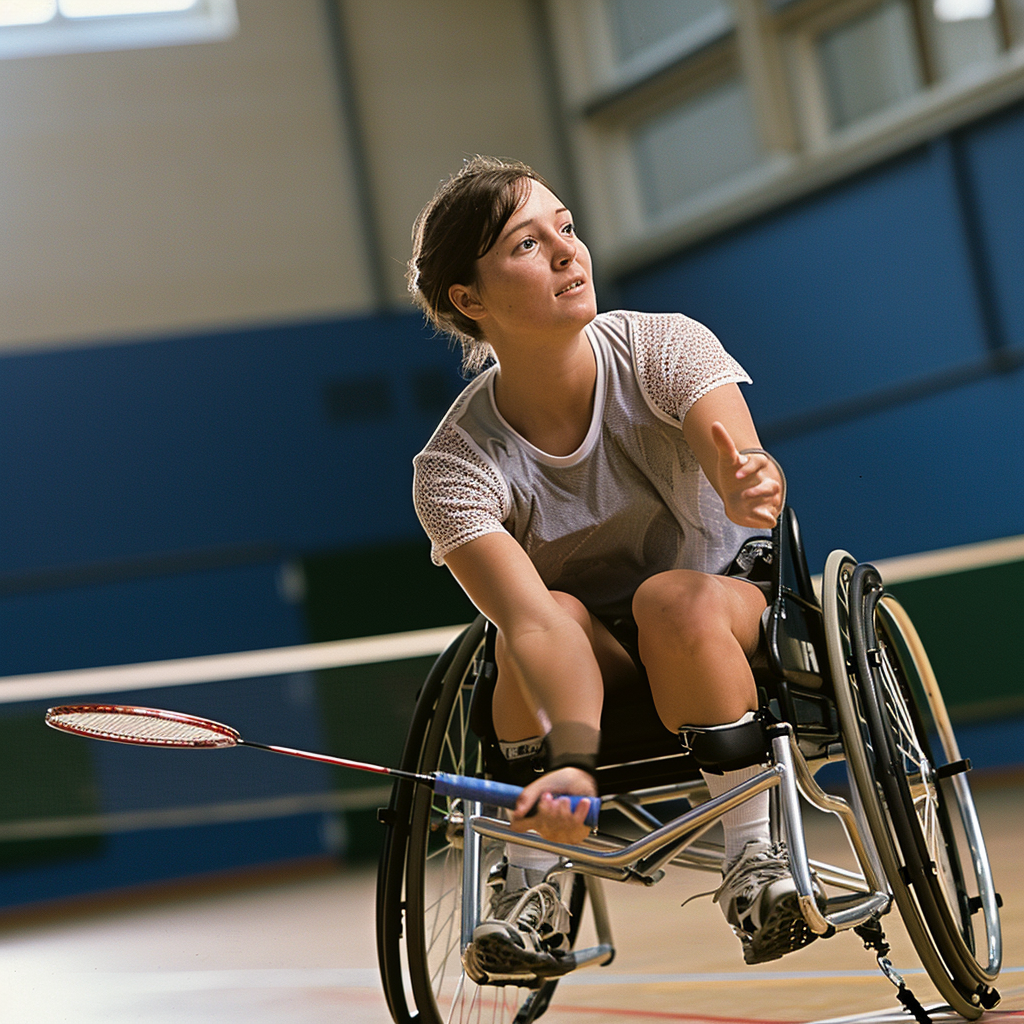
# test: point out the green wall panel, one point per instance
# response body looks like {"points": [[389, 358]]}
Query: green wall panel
{"points": [[970, 624]]}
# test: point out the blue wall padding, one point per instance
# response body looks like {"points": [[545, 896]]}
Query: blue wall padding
{"points": [[127, 450], [157, 855], [917, 477], [854, 290], [995, 157], [174, 616], [228, 443]]}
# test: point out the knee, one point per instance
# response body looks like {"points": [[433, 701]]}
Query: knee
{"points": [[680, 606], [573, 606]]}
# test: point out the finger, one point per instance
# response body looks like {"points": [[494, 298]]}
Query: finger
{"points": [[526, 804], [752, 465], [726, 446], [765, 488]]}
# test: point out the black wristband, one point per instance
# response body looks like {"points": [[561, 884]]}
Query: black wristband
{"points": [[572, 745]]}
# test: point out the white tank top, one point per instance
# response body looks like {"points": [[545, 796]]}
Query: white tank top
{"points": [[630, 502]]}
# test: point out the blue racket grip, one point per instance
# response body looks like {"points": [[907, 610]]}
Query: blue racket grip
{"points": [[499, 793]]}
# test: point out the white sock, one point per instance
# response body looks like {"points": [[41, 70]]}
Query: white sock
{"points": [[743, 823], [527, 866]]}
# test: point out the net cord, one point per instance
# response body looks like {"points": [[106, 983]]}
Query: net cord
{"points": [[213, 668]]}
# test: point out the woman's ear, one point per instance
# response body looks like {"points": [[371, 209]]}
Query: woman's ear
{"points": [[466, 301]]}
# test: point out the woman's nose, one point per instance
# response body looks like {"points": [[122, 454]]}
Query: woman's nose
{"points": [[565, 251]]}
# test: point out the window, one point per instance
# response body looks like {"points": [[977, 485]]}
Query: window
{"points": [[695, 145], [870, 62], [966, 35], [686, 116], [641, 27], [34, 27]]}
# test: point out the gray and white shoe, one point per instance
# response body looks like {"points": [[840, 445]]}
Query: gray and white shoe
{"points": [[526, 932], [759, 899]]}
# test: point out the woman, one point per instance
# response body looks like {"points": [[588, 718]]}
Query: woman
{"points": [[589, 491]]}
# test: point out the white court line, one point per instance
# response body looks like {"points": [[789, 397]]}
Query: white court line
{"points": [[369, 977], [216, 667], [596, 976], [640, 978]]}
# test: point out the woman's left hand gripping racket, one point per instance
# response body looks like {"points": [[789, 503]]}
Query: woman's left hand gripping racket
{"points": [[151, 727]]}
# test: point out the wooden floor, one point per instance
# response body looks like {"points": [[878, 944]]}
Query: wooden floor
{"points": [[302, 952]]}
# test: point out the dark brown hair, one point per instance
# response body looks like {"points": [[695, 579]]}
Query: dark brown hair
{"points": [[460, 224]]}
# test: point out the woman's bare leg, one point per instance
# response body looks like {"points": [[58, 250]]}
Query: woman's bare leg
{"points": [[697, 633], [514, 717]]}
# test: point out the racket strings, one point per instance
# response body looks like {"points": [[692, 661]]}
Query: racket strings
{"points": [[146, 729]]}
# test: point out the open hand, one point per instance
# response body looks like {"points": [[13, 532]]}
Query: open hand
{"points": [[749, 484], [550, 816]]}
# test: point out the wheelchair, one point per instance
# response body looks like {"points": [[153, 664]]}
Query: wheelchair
{"points": [[840, 678]]}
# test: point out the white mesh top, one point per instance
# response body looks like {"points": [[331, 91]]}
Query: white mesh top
{"points": [[630, 502]]}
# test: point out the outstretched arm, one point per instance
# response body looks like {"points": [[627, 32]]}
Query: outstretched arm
{"points": [[718, 427], [552, 660]]}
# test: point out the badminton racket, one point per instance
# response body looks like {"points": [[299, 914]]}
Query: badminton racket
{"points": [[152, 727]]}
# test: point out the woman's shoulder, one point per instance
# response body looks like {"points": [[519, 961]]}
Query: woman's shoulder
{"points": [[651, 336], [470, 402], [675, 358], [634, 323]]}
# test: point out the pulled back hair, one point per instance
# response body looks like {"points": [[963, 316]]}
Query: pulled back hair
{"points": [[460, 224]]}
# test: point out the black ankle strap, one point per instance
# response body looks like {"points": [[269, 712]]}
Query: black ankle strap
{"points": [[726, 747]]}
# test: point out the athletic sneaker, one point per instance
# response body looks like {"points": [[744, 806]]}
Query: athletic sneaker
{"points": [[526, 932], [760, 901]]}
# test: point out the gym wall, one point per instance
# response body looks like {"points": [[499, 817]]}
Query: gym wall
{"points": [[212, 385]]}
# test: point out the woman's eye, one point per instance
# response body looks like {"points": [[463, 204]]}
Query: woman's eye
{"points": [[569, 229], [527, 243]]}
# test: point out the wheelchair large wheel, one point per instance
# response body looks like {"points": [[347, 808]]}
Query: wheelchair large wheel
{"points": [[919, 811], [427, 915]]}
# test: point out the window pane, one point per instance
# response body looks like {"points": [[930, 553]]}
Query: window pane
{"points": [[637, 25], [105, 8], [696, 145], [966, 34], [870, 63], [26, 12]]}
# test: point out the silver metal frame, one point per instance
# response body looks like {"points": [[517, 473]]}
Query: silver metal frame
{"points": [[677, 842]]}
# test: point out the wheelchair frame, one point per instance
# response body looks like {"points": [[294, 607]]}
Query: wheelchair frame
{"points": [[843, 679]]}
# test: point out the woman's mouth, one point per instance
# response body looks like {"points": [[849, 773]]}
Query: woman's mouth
{"points": [[572, 287]]}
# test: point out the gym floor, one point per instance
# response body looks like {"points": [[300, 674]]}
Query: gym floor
{"points": [[302, 950]]}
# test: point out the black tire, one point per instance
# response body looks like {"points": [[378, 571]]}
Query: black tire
{"points": [[426, 915], [396, 818], [923, 824]]}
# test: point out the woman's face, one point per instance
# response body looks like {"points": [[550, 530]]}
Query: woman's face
{"points": [[536, 278]]}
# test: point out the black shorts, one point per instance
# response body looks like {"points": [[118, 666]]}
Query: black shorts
{"points": [[753, 563]]}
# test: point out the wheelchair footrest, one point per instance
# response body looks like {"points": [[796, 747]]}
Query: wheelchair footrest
{"points": [[595, 956]]}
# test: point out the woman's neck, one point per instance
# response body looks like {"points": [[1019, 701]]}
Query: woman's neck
{"points": [[547, 393]]}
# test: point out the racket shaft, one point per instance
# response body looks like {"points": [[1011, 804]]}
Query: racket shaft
{"points": [[499, 794], [341, 762]]}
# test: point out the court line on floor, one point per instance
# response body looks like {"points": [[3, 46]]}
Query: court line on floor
{"points": [[369, 977], [642, 978], [619, 1011]]}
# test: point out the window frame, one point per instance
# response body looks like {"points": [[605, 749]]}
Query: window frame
{"points": [[205, 21], [774, 48]]}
